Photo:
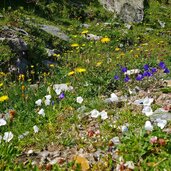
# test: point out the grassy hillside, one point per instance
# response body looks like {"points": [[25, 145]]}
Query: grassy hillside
{"points": [[64, 125]]}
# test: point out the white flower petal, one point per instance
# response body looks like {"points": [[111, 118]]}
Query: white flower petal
{"points": [[2, 122], [36, 129], [130, 165], [113, 97], [48, 97], [161, 123], [115, 140], [8, 136], [58, 91], [124, 128], [147, 110], [103, 115], [94, 113], [47, 102], [147, 101], [41, 112], [148, 126], [38, 102], [79, 99]]}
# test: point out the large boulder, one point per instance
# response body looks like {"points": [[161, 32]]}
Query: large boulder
{"points": [[127, 10]]}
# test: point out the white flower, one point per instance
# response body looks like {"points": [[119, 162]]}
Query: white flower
{"points": [[79, 99], [48, 97], [8, 136], [124, 128], [148, 126], [115, 140], [94, 113], [147, 110], [129, 165], [103, 115], [41, 112], [36, 129], [38, 102], [147, 101], [2, 122], [161, 123], [132, 71], [47, 102], [58, 91], [113, 97]]}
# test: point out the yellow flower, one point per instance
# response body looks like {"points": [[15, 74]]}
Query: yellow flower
{"points": [[98, 64], [1, 84], [2, 74], [32, 66], [105, 40], [21, 77], [52, 65], [80, 70], [84, 32], [3, 98], [117, 49], [75, 45], [71, 73], [22, 87]]}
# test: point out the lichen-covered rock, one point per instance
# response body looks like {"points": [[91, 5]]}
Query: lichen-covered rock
{"points": [[127, 10]]}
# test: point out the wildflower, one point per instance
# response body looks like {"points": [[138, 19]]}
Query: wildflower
{"points": [[61, 96], [153, 70], [126, 79], [105, 40], [153, 140], [117, 49], [161, 123], [147, 74], [71, 73], [79, 99], [8, 136], [116, 77], [147, 101], [84, 32], [4, 98], [38, 102], [115, 140], [1, 84], [52, 65], [124, 128], [41, 112], [80, 70], [47, 102], [21, 77], [139, 77], [103, 115], [58, 91], [147, 110], [98, 64], [74, 45], [124, 69], [129, 165], [48, 97], [36, 129], [162, 65], [162, 141], [166, 70], [2, 74], [148, 126], [146, 67], [2, 122], [94, 113]]}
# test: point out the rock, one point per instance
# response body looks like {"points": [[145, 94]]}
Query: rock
{"points": [[127, 10], [55, 31], [93, 37]]}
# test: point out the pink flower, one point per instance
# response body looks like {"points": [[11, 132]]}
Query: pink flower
{"points": [[153, 140]]}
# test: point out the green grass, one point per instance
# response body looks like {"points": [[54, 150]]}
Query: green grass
{"points": [[63, 125]]}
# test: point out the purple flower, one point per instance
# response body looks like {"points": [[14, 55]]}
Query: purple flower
{"points": [[61, 96], [146, 67], [166, 70], [147, 74], [126, 79], [124, 69], [153, 70], [162, 65], [116, 77], [139, 77]]}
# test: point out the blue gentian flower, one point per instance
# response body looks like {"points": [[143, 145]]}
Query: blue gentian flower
{"points": [[61, 96], [153, 70], [162, 65], [139, 77], [126, 79], [146, 67], [124, 69], [166, 71], [116, 77]]}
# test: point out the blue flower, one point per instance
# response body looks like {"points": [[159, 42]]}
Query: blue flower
{"points": [[146, 67], [124, 69], [166, 71], [139, 77], [153, 70], [147, 74], [162, 65], [61, 96], [126, 79], [116, 77]]}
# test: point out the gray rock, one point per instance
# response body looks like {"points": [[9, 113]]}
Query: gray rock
{"points": [[127, 10], [55, 31]]}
